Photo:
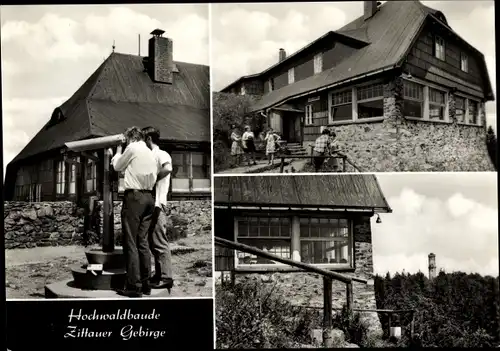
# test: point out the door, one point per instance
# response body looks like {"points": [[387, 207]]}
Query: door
{"points": [[292, 128]]}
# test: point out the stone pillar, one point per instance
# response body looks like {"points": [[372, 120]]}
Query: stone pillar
{"points": [[295, 238], [432, 266]]}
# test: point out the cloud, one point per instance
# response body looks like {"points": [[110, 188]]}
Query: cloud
{"points": [[462, 232], [22, 119]]}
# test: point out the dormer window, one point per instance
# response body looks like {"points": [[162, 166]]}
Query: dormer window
{"points": [[464, 62], [291, 76], [318, 63], [439, 48], [242, 90], [57, 116]]}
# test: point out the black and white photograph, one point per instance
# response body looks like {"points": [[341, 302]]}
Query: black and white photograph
{"points": [[107, 153], [356, 260], [355, 86]]}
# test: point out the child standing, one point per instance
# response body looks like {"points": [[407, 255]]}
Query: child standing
{"points": [[271, 140]]}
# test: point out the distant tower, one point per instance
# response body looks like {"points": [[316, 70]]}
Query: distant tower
{"points": [[432, 266]]}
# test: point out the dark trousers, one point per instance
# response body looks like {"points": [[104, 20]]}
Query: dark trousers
{"points": [[318, 161], [137, 211], [158, 241]]}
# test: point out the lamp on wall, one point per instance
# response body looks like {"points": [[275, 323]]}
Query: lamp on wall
{"points": [[378, 219]]}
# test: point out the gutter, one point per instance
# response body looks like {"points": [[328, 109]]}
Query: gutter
{"points": [[296, 208], [329, 86]]}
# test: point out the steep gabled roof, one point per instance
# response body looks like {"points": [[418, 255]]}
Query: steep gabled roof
{"points": [[119, 94], [341, 191], [391, 32]]}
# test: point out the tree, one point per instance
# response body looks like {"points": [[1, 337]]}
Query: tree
{"points": [[491, 144]]}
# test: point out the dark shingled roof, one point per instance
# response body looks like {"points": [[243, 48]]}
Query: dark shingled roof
{"points": [[119, 94], [390, 32], [342, 190]]}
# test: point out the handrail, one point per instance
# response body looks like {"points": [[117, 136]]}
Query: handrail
{"points": [[304, 266]]}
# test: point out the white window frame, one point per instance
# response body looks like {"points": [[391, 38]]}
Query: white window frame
{"points": [[60, 177], [444, 105], [242, 89], [191, 189], [331, 105], [464, 62], [426, 102], [93, 180], [291, 75], [439, 48], [278, 265], [356, 100], [465, 108], [467, 99], [72, 175], [308, 115], [318, 63]]}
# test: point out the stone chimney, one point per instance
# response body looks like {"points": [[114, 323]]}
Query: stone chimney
{"points": [[370, 7], [160, 60], [282, 55], [432, 266]]}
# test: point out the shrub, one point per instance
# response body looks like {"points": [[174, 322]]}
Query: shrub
{"points": [[491, 144], [254, 315], [351, 324]]}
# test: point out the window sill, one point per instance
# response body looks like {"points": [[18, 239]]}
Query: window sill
{"points": [[437, 121], [469, 124], [357, 121], [257, 268]]}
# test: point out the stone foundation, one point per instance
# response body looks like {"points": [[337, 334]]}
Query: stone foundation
{"points": [[28, 225]]}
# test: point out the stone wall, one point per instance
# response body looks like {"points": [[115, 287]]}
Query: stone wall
{"points": [[186, 218], [38, 224], [307, 288]]}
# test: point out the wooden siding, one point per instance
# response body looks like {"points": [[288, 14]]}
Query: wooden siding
{"points": [[336, 54], [421, 58]]}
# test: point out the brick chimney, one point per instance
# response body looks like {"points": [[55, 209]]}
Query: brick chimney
{"points": [[160, 60], [370, 7], [432, 266], [282, 55]]}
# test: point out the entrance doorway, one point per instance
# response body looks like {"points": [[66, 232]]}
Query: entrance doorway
{"points": [[292, 129]]}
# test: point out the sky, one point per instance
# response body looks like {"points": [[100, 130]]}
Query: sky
{"points": [[246, 37], [453, 215], [49, 51]]}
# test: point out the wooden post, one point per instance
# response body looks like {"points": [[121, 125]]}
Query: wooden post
{"points": [[108, 242], [350, 297], [282, 165], [233, 278], [327, 312], [412, 325], [222, 277], [343, 164], [311, 161]]}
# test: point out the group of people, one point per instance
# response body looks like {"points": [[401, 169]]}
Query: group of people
{"points": [[325, 145], [147, 171], [244, 145]]}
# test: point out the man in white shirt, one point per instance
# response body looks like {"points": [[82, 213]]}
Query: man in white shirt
{"points": [[140, 167], [158, 239]]}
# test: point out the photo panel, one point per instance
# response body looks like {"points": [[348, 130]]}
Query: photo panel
{"points": [[107, 173], [354, 86]]}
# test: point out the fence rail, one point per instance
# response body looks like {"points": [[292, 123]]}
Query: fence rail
{"points": [[328, 277], [338, 155]]}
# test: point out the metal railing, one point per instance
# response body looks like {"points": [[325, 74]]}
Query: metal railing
{"points": [[328, 277]]}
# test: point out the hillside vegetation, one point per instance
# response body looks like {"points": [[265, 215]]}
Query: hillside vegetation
{"points": [[453, 310]]}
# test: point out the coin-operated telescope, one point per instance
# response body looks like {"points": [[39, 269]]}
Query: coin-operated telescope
{"points": [[96, 143]]}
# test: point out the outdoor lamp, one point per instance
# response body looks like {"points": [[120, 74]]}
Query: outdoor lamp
{"points": [[378, 219]]}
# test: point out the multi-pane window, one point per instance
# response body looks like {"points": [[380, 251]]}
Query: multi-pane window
{"points": [[370, 101], [291, 75], [341, 104], [242, 89], [318, 63], [460, 109], [309, 115], [413, 99], [437, 104], [325, 241], [190, 171], [61, 177], [464, 62], [473, 111], [271, 234], [72, 177], [439, 48], [90, 176]]}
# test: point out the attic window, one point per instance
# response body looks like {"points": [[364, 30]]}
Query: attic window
{"points": [[464, 62], [439, 48], [57, 116]]}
